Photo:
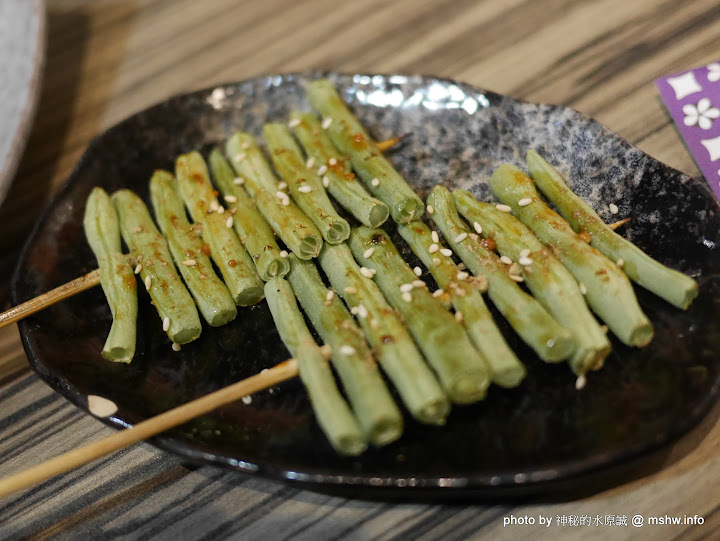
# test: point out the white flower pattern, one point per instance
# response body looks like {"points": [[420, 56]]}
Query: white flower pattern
{"points": [[713, 72], [701, 114]]}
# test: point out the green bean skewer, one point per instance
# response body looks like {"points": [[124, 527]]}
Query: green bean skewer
{"points": [[251, 227], [211, 296], [227, 251], [466, 294], [549, 281], [334, 169], [288, 222], [172, 301], [609, 292], [305, 186], [377, 413], [351, 139], [392, 344], [116, 275], [331, 411], [459, 366], [669, 284], [551, 341]]}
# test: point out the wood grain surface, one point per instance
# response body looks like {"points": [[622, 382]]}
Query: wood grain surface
{"points": [[109, 59]]}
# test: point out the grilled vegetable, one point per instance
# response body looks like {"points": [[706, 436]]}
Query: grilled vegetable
{"points": [[116, 275], [551, 341], [351, 139], [673, 286], [609, 292]]}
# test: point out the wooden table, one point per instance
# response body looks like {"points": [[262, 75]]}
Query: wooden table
{"points": [[108, 59]]}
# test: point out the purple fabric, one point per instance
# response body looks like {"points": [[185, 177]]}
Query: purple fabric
{"points": [[693, 100]]}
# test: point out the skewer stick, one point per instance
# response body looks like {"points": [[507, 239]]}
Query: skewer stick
{"points": [[58, 294], [148, 428], [615, 225], [387, 144]]}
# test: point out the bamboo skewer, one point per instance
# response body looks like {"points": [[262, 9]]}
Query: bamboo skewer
{"points": [[148, 428], [58, 294]]}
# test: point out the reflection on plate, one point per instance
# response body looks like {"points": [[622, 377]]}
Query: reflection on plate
{"points": [[526, 439], [22, 46]]}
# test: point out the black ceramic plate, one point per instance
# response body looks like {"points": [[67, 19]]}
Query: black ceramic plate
{"points": [[524, 439]]}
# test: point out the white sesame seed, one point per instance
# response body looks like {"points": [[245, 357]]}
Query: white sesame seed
{"points": [[362, 311], [458, 316], [525, 261], [138, 268], [375, 182], [189, 262], [239, 181], [505, 259], [347, 350], [524, 252], [310, 162], [305, 189], [240, 157], [417, 271], [139, 258], [176, 347], [367, 273], [282, 185], [580, 382], [148, 282], [137, 229], [369, 252], [231, 199], [166, 324], [374, 323], [620, 263], [326, 181], [213, 206], [516, 278], [461, 237], [294, 123], [350, 290], [220, 209], [462, 275], [406, 288], [430, 209], [285, 202], [582, 288], [247, 400], [524, 202], [354, 310], [613, 208], [373, 271], [326, 350], [407, 297], [438, 292], [329, 295], [419, 283], [435, 237], [433, 248], [229, 222], [477, 227], [446, 252], [436, 261], [281, 195], [332, 161], [284, 254], [322, 170], [326, 123], [503, 208]]}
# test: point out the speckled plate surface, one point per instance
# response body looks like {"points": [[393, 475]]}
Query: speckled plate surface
{"points": [[22, 49], [517, 441]]}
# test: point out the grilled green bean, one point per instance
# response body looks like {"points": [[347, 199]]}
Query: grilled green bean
{"points": [[609, 292], [671, 285], [172, 301], [551, 341], [116, 275]]}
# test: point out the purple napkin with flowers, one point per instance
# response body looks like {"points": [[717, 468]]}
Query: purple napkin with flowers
{"points": [[693, 100]]}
